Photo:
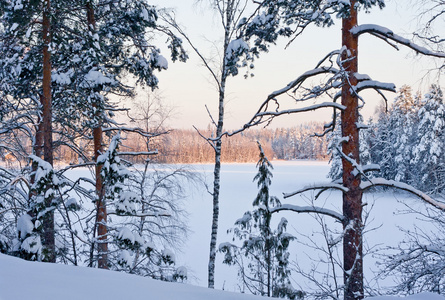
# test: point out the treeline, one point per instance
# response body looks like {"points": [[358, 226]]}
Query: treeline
{"points": [[187, 146]]}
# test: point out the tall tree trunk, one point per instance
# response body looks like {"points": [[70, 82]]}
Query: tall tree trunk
{"points": [[216, 186], [352, 200], [48, 238], [218, 144], [101, 217]]}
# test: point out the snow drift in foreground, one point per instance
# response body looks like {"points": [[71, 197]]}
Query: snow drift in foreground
{"points": [[23, 280]]}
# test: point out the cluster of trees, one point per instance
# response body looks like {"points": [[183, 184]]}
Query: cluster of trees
{"points": [[408, 140], [60, 61]]}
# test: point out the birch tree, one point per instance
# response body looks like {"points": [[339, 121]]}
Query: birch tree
{"points": [[342, 82], [229, 14]]}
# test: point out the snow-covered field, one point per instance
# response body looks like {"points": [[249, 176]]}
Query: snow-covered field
{"points": [[26, 280]]}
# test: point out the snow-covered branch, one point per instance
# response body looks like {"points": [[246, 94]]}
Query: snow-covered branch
{"points": [[302, 78], [134, 129], [318, 186], [376, 85], [308, 209], [385, 33], [140, 215], [139, 153], [402, 186], [303, 109]]}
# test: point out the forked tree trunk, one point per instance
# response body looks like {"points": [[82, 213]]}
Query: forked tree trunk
{"points": [[48, 238], [352, 200], [101, 213]]}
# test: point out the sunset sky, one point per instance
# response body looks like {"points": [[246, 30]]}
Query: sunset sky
{"points": [[188, 87]]}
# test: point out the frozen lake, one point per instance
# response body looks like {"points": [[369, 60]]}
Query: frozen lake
{"points": [[383, 219], [237, 193]]}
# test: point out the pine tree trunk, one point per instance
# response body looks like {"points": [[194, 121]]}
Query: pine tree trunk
{"points": [[352, 200], [101, 217], [48, 238]]}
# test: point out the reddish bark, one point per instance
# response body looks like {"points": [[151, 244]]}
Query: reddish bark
{"points": [[101, 218], [48, 239], [352, 200]]}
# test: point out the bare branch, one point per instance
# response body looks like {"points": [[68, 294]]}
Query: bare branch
{"points": [[205, 138]]}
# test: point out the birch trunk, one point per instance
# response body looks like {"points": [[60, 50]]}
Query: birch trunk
{"points": [[216, 184], [228, 19], [352, 200]]}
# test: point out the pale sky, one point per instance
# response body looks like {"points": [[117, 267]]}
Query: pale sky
{"points": [[188, 86]]}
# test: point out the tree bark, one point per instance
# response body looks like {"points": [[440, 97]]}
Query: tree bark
{"points": [[48, 238], [216, 186], [352, 200], [218, 144], [101, 218], [101, 213]]}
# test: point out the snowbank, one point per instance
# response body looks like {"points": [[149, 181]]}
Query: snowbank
{"points": [[23, 280]]}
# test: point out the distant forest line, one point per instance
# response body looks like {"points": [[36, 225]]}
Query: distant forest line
{"points": [[187, 146]]}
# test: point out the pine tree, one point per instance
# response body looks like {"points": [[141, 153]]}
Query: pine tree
{"points": [[266, 271], [428, 150]]}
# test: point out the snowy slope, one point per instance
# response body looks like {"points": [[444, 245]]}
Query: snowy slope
{"points": [[22, 280]]}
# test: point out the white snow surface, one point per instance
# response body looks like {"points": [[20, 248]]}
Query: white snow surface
{"points": [[23, 280], [32, 280]]}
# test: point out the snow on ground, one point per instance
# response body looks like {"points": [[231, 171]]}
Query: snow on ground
{"points": [[237, 193], [24, 280]]}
